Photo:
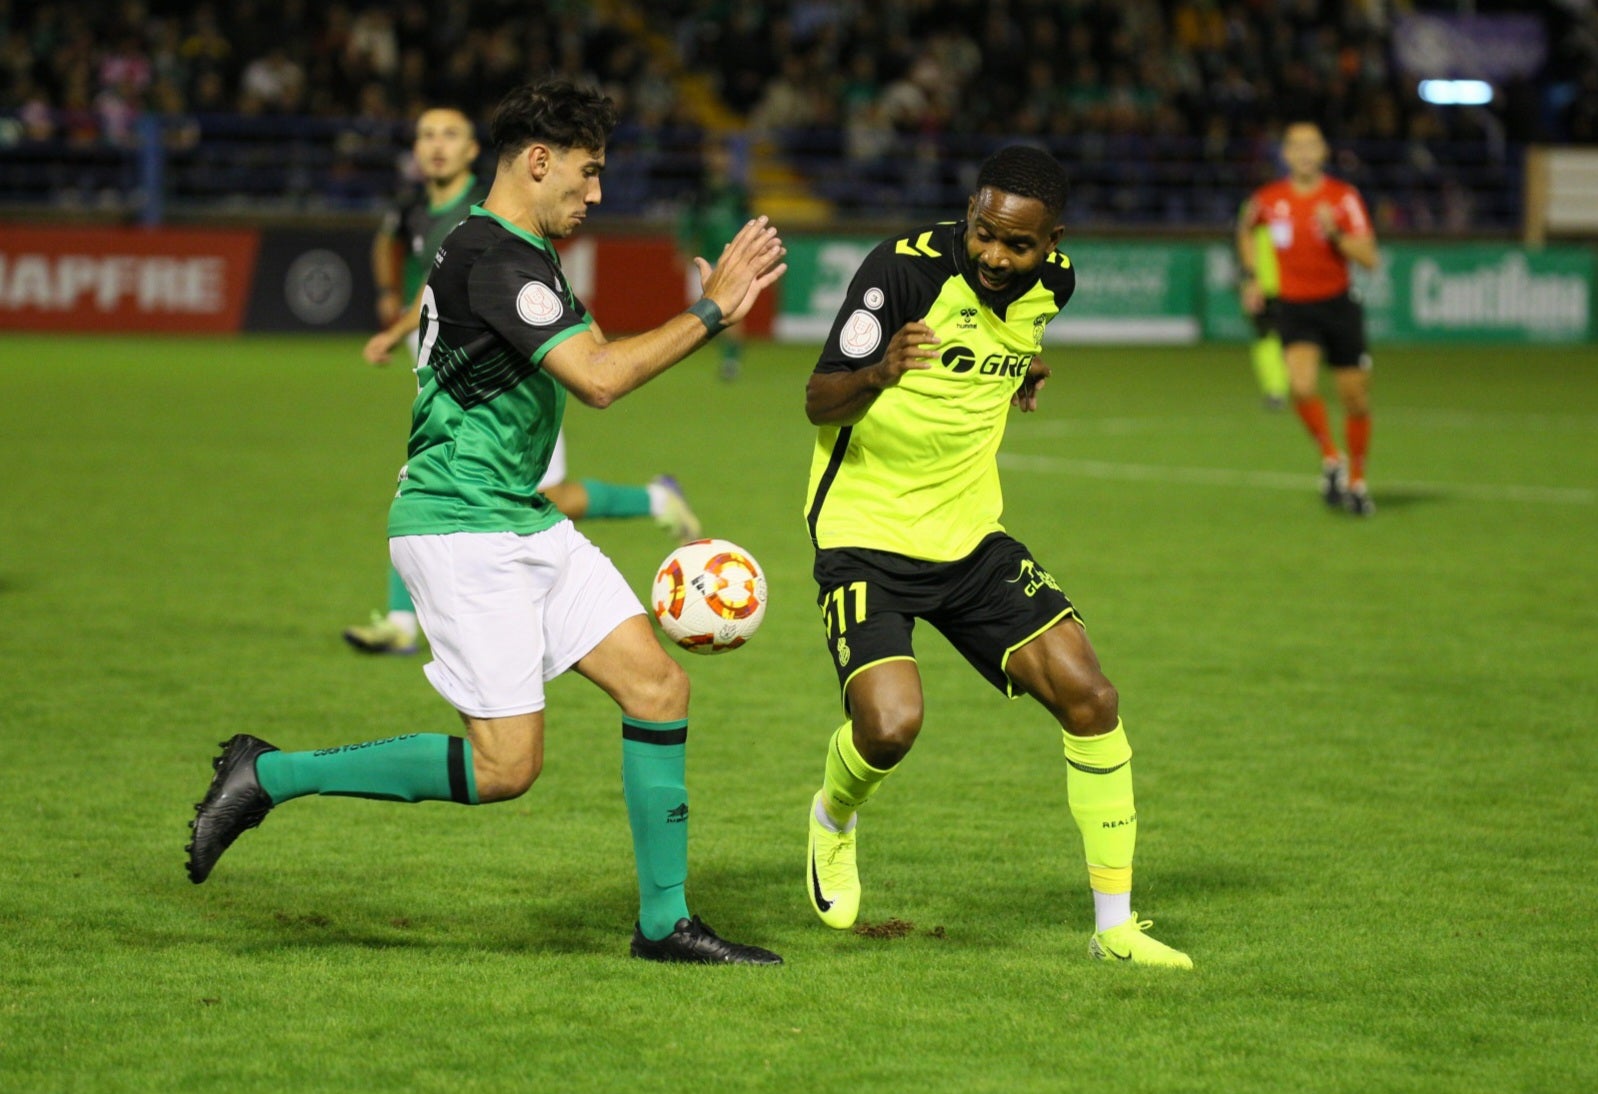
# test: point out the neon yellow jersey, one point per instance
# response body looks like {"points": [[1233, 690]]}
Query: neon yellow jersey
{"points": [[1266, 274], [918, 474]]}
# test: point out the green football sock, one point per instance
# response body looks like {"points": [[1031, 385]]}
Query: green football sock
{"points": [[653, 780], [1270, 366], [607, 499], [849, 780], [399, 597], [1098, 779], [413, 768]]}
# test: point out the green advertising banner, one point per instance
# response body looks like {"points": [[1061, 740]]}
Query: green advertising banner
{"points": [[1444, 293], [1126, 292], [1132, 292]]}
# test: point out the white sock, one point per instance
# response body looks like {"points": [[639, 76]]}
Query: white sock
{"points": [[829, 824], [1111, 909], [405, 621], [657, 498]]}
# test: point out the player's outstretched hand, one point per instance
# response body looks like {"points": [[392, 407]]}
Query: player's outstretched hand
{"points": [[378, 347], [913, 346], [1026, 396], [750, 264]]}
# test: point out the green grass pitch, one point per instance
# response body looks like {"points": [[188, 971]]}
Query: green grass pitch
{"points": [[1365, 768]]}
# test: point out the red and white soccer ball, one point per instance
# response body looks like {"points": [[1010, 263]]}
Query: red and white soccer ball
{"points": [[709, 596]]}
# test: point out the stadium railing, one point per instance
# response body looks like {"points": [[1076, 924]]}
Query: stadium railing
{"points": [[194, 167]]}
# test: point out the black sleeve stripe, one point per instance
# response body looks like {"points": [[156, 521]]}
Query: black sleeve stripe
{"points": [[834, 461]]}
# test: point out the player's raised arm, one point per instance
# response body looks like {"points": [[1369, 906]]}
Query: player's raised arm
{"points": [[599, 372], [837, 398]]}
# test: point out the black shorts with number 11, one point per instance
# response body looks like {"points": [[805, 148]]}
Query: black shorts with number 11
{"points": [[987, 605]]}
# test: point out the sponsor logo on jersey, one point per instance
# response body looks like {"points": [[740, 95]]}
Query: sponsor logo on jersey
{"points": [[860, 335], [960, 359], [968, 319], [537, 304]]}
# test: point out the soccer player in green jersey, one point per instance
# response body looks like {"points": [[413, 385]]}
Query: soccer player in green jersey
{"points": [[509, 592], [938, 337], [445, 149]]}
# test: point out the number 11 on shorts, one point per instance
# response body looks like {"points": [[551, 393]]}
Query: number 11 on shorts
{"points": [[842, 604]]}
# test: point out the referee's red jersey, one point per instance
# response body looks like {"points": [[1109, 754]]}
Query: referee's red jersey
{"points": [[1311, 268]]}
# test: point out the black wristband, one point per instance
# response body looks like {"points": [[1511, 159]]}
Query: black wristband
{"points": [[708, 312]]}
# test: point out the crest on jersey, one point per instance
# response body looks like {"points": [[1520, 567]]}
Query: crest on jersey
{"points": [[874, 298], [860, 335], [537, 304]]}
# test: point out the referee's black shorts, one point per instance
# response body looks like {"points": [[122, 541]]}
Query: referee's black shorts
{"points": [[988, 605], [1337, 325]]}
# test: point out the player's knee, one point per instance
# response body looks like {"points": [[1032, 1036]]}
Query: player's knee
{"points": [[660, 693], [1096, 710], [503, 778], [885, 736]]}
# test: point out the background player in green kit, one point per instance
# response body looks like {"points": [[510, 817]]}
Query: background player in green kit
{"points": [[938, 337], [445, 150], [509, 592], [719, 208]]}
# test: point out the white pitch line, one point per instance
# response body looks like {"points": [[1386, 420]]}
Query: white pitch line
{"points": [[1404, 417], [1282, 480]]}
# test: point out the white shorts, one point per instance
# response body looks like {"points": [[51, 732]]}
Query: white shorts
{"points": [[505, 612]]}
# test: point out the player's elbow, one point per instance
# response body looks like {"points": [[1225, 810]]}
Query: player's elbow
{"points": [[597, 396], [594, 391], [819, 407]]}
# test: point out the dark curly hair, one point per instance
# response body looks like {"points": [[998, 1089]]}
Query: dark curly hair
{"points": [[555, 112], [1026, 172]]}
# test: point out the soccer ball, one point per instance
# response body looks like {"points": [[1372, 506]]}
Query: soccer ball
{"points": [[709, 596]]}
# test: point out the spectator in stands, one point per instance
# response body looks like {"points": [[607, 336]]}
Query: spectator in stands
{"points": [[272, 83], [206, 49]]}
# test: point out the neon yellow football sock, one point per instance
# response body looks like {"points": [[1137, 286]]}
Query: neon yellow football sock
{"points": [[849, 780], [1098, 779], [1270, 366]]}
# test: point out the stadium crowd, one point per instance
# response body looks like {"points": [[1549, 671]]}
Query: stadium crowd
{"points": [[876, 92]]}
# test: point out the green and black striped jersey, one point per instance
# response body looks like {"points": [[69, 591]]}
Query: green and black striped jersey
{"points": [[486, 414], [918, 473], [421, 228]]}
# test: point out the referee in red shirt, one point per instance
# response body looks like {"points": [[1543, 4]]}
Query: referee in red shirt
{"points": [[1317, 224]]}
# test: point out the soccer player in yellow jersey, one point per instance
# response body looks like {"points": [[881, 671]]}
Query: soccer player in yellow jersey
{"points": [[1265, 352], [938, 337]]}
